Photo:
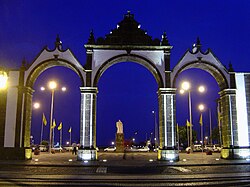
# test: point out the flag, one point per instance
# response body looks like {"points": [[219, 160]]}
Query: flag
{"points": [[59, 127], [44, 120], [54, 124], [201, 121], [188, 124], [177, 128], [70, 129]]}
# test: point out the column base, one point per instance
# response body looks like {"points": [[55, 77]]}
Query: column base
{"points": [[86, 154], [236, 153], [15, 153], [168, 155]]}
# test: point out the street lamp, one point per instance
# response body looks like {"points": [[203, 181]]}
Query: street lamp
{"points": [[3, 80], [52, 85], [186, 87]]}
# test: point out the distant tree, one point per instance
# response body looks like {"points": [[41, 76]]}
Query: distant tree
{"points": [[183, 135], [44, 142], [216, 134]]}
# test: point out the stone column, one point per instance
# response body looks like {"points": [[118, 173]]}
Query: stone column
{"points": [[88, 124], [3, 102], [167, 125], [26, 126], [229, 122]]}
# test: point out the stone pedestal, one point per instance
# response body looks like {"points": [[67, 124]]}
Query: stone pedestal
{"points": [[86, 154], [168, 155], [119, 139]]}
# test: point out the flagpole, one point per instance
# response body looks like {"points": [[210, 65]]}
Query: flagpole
{"points": [[41, 132], [202, 134], [61, 137], [210, 124], [178, 137], [51, 118], [187, 135], [70, 136]]}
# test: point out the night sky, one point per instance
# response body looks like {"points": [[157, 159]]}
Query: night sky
{"points": [[127, 91]]}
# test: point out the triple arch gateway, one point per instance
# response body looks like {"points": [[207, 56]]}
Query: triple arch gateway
{"points": [[126, 43]]}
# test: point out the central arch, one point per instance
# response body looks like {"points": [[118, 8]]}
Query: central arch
{"points": [[129, 58], [126, 91]]}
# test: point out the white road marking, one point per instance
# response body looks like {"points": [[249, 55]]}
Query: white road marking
{"points": [[101, 170], [184, 170]]}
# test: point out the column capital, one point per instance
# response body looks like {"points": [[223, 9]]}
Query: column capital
{"points": [[92, 90], [163, 91], [27, 90], [227, 92]]}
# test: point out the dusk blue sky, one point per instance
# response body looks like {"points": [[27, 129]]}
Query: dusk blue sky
{"points": [[127, 91]]}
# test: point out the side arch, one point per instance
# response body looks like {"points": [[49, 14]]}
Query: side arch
{"points": [[49, 63], [29, 80], [221, 78], [129, 58]]}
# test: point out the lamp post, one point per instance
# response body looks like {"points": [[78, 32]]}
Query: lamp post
{"points": [[201, 107], [52, 85], [36, 106], [186, 87], [156, 131]]}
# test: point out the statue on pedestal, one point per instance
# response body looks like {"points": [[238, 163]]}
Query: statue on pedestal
{"points": [[119, 127], [119, 138]]}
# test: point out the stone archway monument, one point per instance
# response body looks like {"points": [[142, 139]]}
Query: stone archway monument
{"points": [[126, 43], [129, 43]]}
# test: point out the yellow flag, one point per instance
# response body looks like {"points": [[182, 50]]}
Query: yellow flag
{"points": [[177, 128], [44, 120], [70, 129], [188, 124], [59, 127], [201, 121], [54, 124]]}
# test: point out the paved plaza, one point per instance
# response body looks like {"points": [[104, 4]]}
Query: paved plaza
{"points": [[119, 159], [135, 169]]}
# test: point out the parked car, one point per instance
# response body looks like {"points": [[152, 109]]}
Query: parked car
{"points": [[68, 148], [59, 149], [144, 149], [208, 148], [43, 148], [214, 148], [197, 148], [110, 149], [217, 148], [131, 149]]}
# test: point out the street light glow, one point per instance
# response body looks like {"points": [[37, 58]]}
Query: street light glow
{"points": [[52, 85], [201, 89], [36, 105], [42, 88], [64, 89], [182, 91], [201, 107], [185, 86], [3, 80]]}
